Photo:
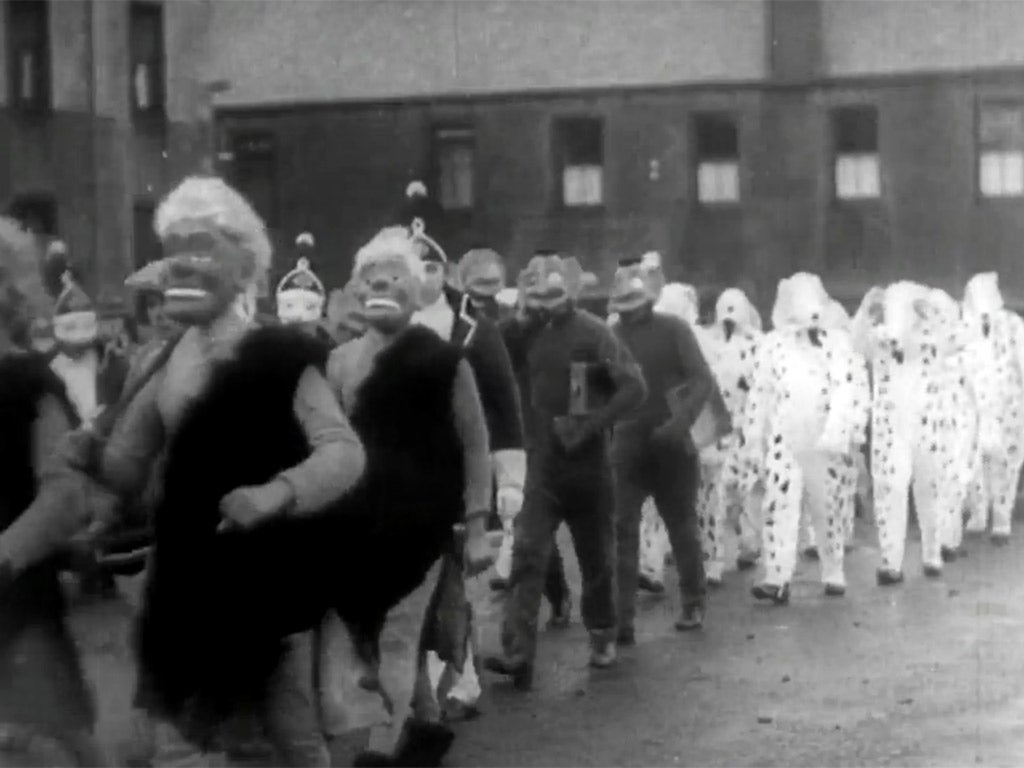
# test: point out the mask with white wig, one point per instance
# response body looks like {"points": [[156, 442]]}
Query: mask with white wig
{"points": [[215, 247], [388, 279]]}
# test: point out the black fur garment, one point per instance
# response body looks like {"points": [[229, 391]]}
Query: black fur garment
{"points": [[218, 605], [41, 683]]}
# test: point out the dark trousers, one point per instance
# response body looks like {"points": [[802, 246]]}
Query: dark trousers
{"points": [[576, 490], [669, 472], [556, 588]]}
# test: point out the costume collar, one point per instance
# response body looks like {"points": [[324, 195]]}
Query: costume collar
{"points": [[465, 316]]}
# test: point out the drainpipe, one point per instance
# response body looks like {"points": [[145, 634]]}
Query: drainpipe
{"points": [[94, 207]]}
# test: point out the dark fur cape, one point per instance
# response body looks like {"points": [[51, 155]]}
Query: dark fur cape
{"points": [[45, 688], [219, 605]]}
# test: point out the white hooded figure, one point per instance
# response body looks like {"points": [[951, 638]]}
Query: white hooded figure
{"points": [[730, 487], [996, 354], [792, 425], [682, 301], [957, 384], [903, 332], [853, 478]]}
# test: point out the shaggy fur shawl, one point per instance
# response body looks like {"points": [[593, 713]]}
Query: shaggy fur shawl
{"points": [[41, 683], [24, 380], [219, 605]]}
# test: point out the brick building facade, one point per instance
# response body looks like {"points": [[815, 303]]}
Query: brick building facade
{"points": [[864, 139], [103, 105]]}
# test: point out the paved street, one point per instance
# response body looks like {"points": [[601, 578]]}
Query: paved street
{"points": [[927, 674]]}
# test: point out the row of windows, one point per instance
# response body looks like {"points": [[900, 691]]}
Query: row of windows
{"points": [[29, 67], [578, 157]]}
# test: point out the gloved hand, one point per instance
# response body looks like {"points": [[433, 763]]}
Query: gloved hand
{"points": [[245, 508]]}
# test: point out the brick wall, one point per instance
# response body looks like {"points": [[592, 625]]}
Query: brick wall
{"points": [[341, 171]]}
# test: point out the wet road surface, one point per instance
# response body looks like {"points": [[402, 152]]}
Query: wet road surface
{"points": [[930, 673]]}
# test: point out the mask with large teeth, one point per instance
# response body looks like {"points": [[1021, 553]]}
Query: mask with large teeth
{"points": [[388, 280], [204, 273]]}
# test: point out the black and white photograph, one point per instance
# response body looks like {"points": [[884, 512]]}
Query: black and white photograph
{"points": [[511, 383]]}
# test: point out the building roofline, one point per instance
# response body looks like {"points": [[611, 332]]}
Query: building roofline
{"points": [[819, 83]]}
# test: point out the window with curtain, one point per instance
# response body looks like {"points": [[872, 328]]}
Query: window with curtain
{"points": [[146, 51], [454, 165], [855, 142], [28, 46], [717, 148], [1001, 149], [579, 161]]}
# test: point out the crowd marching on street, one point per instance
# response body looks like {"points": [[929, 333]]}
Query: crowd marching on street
{"points": [[354, 457]]}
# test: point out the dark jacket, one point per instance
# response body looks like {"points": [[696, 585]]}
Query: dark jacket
{"points": [[485, 351]]}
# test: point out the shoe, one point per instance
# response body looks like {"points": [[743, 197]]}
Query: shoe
{"points": [[521, 672], [424, 744], [835, 590], [602, 649], [457, 711], [949, 554], [498, 584], [647, 584], [887, 577], [562, 616], [626, 637], [778, 595], [1000, 539], [746, 562], [932, 571], [693, 616], [811, 553]]}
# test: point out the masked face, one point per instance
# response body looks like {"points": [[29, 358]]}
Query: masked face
{"points": [[433, 282], [387, 290], [630, 290], [299, 306], [75, 332], [205, 272], [549, 285]]}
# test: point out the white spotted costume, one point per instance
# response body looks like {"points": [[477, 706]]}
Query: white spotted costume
{"points": [[730, 489], [850, 475], [995, 352], [903, 334], [800, 423]]}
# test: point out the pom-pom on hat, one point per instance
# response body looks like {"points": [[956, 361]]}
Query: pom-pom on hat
{"points": [[422, 214], [300, 294]]}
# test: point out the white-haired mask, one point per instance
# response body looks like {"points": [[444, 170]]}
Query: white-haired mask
{"points": [[215, 246], [388, 277]]}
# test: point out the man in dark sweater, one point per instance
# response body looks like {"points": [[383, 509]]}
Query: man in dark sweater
{"points": [[581, 380], [653, 453]]}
